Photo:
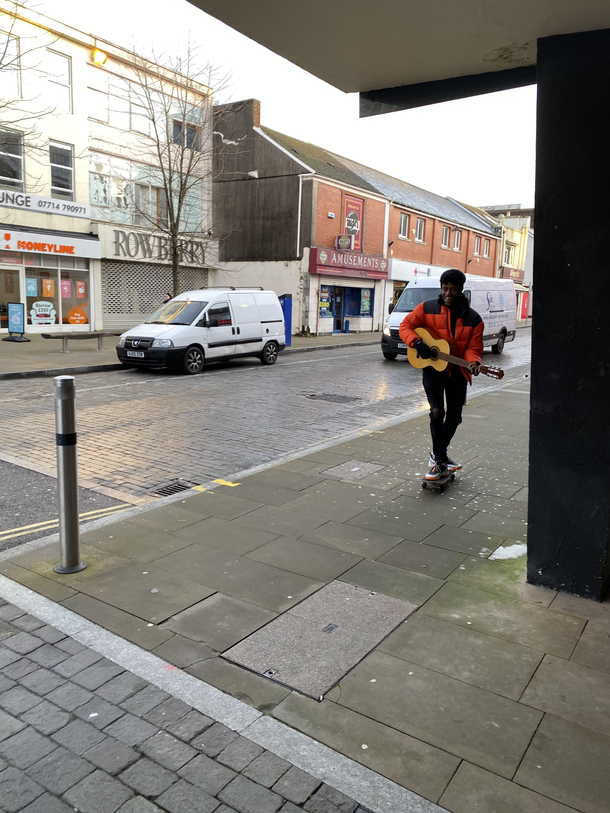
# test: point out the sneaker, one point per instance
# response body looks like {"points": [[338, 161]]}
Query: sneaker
{"points": [[452, 466], [436, 471]]}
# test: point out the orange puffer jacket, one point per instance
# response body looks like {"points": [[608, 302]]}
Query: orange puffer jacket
{"points": [[434, 314]]}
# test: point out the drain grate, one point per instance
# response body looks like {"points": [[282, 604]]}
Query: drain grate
{"points": [[173, 487], [334, 399]]}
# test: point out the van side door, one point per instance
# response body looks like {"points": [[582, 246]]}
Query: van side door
{"points": [[221, 331], [247, 324]]}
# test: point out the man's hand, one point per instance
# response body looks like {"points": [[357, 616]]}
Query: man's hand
{"points": [[474, 367], [423, 351]]}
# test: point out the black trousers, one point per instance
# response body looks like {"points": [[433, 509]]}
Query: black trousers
{"points": [[450, 385]]}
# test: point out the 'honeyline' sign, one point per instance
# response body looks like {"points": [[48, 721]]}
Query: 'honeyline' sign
{"points": [[142, 246]]}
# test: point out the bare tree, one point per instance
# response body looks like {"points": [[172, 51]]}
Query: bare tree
{"points": [[171, 102]]}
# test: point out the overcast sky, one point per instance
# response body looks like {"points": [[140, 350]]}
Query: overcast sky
{"points": [[478, 150]]}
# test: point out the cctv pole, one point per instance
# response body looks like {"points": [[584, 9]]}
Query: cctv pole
{"points": [[67, 475]]}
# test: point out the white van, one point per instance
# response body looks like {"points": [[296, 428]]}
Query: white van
{"points": [[213, 324], [493, 299]]}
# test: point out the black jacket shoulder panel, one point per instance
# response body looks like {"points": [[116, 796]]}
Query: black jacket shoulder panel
{"points": [[432, 306], [471, 318]]}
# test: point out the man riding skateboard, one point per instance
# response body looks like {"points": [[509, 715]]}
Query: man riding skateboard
{"points": [[452, 318]]}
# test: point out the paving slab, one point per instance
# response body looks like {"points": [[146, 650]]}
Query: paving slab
{"points": [[98, 793], [568, 763], [221, 534], [493, 614], [363, 543], [182, 651], [571, 691], [152, 594], [327, 508], [226, 506], [484, 728], [304, 558], [489, 523], [436, 508], [593, 648], [43, 560], [473, 543], [111, 618], [504, 576], [256, 691], [222, 572], [462, 653], [414, 764], [420, 558], [392, 581], [283, 591], [285, 479], [415, 527], [258, 491], [495, 506], [280, 521], [220, 621], [582, 608], [312, 646], [172, 518], [473, 789], [147, 547]]}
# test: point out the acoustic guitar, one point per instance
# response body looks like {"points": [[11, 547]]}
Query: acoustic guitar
{"points": [[441, 355]]}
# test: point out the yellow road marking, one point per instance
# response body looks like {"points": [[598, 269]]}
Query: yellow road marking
{"points": [[10, 533], [226, 483], [198, 488]]}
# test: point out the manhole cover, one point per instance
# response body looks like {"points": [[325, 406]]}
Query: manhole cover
{"points": [[353, 470], [335, 399], [313, 645], [173, 487]]}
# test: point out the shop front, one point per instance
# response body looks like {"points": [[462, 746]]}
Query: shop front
{"points": [[348, 289], [50, 274], [136, 273]]}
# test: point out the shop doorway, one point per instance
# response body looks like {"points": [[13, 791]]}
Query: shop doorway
{"points": [[10, 291], [336, 304]]}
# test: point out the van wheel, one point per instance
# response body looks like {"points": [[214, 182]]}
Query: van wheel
{"points": [[390, 356], [499, 347], [269, 354], [193, 360]]}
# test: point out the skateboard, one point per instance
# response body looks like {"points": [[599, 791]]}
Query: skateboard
{"points": [[440, 484]]}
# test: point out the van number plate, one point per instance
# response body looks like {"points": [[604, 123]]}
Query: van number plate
{"points": [[402, 345], [135, 354]]}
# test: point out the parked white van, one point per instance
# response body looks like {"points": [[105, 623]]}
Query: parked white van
{"points": [[493, 299], [213, 324]]}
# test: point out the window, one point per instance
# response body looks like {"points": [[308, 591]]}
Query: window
{"points": [[403, 230], [222, 312], [59, 73], [10, 85], [62, 171], [192, 135], [11, 160], [457, 240], [486, 248], [477, 245], [445, 237], [151, 206], [509, 254], [358, 301], [420, 230]]}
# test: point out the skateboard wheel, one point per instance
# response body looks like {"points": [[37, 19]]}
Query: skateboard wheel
{"points": [[424, 485], [441, 489], [452, 477]]}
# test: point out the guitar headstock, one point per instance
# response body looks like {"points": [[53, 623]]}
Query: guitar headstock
{"points": [[492, 372]]}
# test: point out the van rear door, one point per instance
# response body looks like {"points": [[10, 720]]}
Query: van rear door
{"points": [[249, 337]]}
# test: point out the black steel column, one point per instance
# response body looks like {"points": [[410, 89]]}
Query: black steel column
{"points": [[569, 502]]}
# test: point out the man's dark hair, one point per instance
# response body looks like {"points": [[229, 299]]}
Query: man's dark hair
{"points": [[453, 277]]}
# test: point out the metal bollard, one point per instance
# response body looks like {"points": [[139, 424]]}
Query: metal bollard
{"points": [[67, 475]]}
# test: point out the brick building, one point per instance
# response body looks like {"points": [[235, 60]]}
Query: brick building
{"points": [[342, 238]]}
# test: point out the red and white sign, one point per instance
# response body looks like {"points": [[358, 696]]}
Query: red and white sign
{"points": [[353, 218], [346, 264], [51, 244]]}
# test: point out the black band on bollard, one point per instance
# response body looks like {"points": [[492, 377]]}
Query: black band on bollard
{"points": [[68, 439]]}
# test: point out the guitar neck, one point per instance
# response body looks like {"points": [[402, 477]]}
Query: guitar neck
{"points": [[452, 359]]}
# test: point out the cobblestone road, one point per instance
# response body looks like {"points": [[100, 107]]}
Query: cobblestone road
{"points": [[78, 732], [138, 430]]}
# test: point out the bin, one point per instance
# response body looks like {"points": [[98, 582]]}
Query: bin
{"points": [[286, 304]]}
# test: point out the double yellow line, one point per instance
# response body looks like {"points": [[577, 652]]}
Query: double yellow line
{"points": [[50, 524]]}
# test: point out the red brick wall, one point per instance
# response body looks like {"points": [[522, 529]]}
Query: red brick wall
{"points": [[330, 199], [431, 251], [374, 222]]}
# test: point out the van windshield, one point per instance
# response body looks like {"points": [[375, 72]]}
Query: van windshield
{"points": [[412, 297], [176, 313]]}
